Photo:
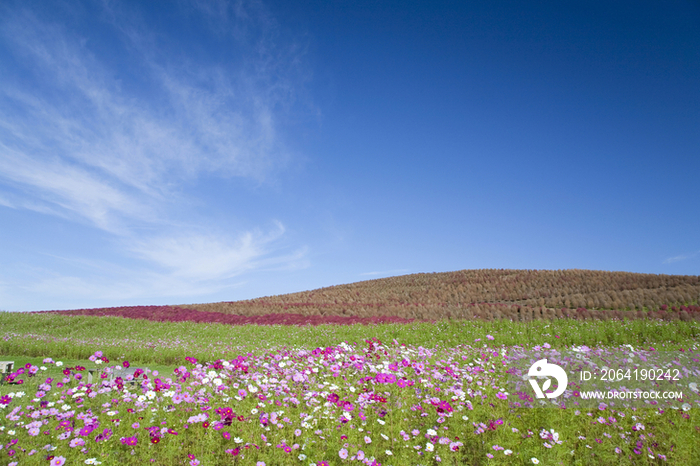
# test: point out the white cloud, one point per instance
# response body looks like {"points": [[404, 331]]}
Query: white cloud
{"points": [[207, 256], [683, 257], [56, 184], [120, 149], [205, 122]]}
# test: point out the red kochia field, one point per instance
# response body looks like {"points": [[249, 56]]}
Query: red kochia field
{"points": [[178, 314]]}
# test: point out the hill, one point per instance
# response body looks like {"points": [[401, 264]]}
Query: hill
{"points": [[489, 294]]}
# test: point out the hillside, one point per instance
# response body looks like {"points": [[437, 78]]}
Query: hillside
{"points": [[514, 294]]}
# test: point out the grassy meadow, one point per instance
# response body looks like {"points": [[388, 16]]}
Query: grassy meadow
{"points": [[147, 342], [390, 394]]}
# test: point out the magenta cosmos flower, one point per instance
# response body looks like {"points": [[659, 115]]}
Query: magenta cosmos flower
{"points": [[129, 440]]}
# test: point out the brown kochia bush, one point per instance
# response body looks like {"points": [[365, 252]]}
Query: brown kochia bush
{"points": [[519, 295], [451, 294]]}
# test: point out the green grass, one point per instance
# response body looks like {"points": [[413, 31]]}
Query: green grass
{"points": [[28, 338], [167, 343]]}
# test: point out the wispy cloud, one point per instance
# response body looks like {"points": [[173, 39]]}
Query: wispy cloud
{"points": [[117, 149], [682, 257], [203, 257], [64, 189]]}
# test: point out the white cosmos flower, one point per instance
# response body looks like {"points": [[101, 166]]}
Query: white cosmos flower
{"points": [[429, 447], [431, 432], [59, 363], [218, 382]]}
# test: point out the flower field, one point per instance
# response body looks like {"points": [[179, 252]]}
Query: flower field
{"points": [[391, 394]]}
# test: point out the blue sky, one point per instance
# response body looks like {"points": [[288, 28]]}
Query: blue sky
{"points": [[200, 151]]}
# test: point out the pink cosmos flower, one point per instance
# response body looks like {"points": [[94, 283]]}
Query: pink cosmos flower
{"points": [[58, 461], [77, 442]]}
